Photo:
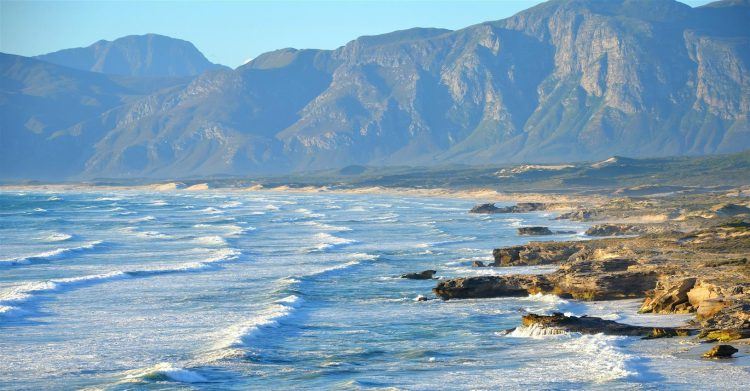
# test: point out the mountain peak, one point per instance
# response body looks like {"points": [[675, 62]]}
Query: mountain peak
{"points": [[135, 55], [727, 3]]}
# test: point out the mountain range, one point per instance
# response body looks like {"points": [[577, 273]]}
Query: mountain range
{"points": [[562, 81]]}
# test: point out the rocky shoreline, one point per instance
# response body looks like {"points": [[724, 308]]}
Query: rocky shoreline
{"points": [[692, 258]]}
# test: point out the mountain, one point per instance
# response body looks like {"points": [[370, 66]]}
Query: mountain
{"points": [[136, 55], [562, 81], [41, 108]]}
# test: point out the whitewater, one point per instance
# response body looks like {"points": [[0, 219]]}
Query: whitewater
{"points": [[217, 290]]}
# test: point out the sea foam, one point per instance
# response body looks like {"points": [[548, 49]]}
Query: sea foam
{"points": [[163, 372], [13, 300], [50, 255]]}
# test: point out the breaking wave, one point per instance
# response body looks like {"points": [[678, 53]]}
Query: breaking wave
{"points": [[327, 241], [13, 300], [57, 237], [51, 255], [163, 372]]}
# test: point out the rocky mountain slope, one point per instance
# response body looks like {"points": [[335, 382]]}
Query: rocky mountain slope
{"points": [[562, 81]]}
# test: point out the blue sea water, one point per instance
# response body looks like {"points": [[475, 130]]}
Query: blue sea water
{"points": [[261, 290]]}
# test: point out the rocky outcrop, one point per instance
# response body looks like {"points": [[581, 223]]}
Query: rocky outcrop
{"points": [[536, 253], [605, 279], [521, 207], [584, 280], [577, 215], [491, 286], [594, 325], [721, 351], [534, 231], [613, 230], [670, 296], [485, 209], [423, 275], [722, 307]]}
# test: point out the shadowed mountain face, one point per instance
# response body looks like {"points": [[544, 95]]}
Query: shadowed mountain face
{"points": [[135, 55], [563, 81]]}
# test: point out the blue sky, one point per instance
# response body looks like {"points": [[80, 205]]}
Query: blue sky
{"points": [[230, 32]]}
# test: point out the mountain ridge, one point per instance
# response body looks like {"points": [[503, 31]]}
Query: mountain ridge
{"points": [[150, 55], [561, 81]]}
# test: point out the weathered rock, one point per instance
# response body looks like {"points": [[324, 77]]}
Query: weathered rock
{"points": [[718, 308], [670, 296], [524, 207], [613, 230], [601, 285], [536, 253], [521, 207], [725, 335], [585, 282], [536, 231], [423, 275], [721, 351], [710, 307], [577, 215], [485, 209], [594, 325], [491, 286], [507, 256], [477, 264]]}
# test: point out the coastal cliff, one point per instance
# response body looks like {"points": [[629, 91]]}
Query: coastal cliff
{"points": [[702, 268]]}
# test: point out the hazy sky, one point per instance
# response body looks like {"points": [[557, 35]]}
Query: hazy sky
{"points": [[230, 32]]}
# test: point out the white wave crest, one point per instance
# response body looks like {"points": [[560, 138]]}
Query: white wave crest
{"points": [[230, 229], [12, 300], [244, 334], [327, 241], [213, 240], [163, 372], [143, 219], [107, 199], [49, 255], [57, 237], [535, 331], [604, 359], [327, 227]]}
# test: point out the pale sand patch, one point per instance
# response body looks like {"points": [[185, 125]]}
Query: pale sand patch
{"points": [[163, 186], [198, 187], [562, 202], [647, 218]]}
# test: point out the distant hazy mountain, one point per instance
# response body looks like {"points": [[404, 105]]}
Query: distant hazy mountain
{"points": [[562, 81], [42, 108], [135, 55]]}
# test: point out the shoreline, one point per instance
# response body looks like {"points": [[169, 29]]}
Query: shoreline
{"points": [[593, 208], [701, 270], [563, 201]]}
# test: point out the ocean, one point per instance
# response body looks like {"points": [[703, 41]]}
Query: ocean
{"points": [[217, 290]]}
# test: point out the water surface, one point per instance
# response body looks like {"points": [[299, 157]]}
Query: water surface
{"points": [[212, 290]]}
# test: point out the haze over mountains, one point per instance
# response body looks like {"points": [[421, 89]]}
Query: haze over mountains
{"points": [[136, 55], [562, 81]]}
